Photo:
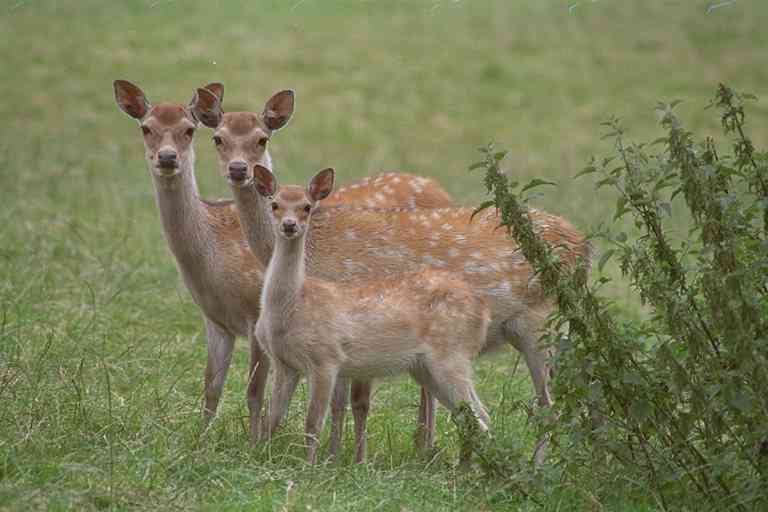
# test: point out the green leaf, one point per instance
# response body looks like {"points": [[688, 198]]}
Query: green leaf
{"points": [[632, 378], [499, 156], [621, 207], [483, 206], [536, 182], [640, 410], [587, 170], [476, 165], [604, 258], [605, 181]]}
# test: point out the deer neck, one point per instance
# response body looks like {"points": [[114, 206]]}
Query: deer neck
{"points": [[284, 280], [254, 217], [183, 215]]}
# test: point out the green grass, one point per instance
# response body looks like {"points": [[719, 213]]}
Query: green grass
{"points": [[101, 349]]}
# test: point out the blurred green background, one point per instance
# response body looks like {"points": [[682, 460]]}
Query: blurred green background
{"points": [[101, 350]]}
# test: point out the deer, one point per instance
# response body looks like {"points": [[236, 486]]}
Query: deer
{"points": [[348, 243], [207, 241], [426, 323]]}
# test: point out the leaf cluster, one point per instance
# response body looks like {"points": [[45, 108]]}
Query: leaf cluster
{"points": [[676, 402]]}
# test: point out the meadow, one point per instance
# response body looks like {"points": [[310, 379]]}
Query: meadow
{"points": [[101, 348]]}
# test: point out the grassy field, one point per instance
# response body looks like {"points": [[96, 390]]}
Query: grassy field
{"points": [[101, 349]]}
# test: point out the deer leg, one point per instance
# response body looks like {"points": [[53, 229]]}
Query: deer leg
{"points": [[321, 383], [284, 384], [338, 412], [361, 401], [525, 339], [258, 370], [220, 345], [451, 383], [425, 432]]}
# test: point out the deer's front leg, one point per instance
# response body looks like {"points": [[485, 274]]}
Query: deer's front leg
{"points": [[284, 384], [321, 383], [220, 345], [258, 370]]}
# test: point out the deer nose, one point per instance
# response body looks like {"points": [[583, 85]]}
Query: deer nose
{"points": [[166, 158], [237, 171], [289, 226]]}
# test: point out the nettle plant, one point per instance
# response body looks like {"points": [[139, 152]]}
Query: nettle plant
{"points": [[676, 403]]}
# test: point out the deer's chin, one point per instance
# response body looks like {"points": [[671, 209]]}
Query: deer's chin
{"points": [[166, 172], [239, 183], [290, 236]]}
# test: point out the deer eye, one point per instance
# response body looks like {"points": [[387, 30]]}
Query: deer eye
{"points": [[307, 208], [190, 132], [275, 206], [263, 141], [217, 140], [145, 130]]}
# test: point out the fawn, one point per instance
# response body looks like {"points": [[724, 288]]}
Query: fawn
{"points": [[206, 238], [427, 323], [349, 243]]}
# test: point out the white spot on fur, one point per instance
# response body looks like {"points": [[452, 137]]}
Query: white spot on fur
{"points": [[350, 235], [447, 227], [474, 267], [379, 197], [431, 260], [395, 179], [453, 252], [436, 215], [460, 239], [476, 254]]}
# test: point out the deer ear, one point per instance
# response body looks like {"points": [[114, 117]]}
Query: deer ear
{"points": [[265, 181], [216, 88], [206, 108], [131, 99], [279, 109], [321, 185]]}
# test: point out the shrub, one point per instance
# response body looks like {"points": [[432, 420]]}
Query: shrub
{"points": [[677, 403]]}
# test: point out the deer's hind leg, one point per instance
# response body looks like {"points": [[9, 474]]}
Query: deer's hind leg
{"points": [[361, 401], [524, 336], [339, 403], [450, 380], [424, 436]]}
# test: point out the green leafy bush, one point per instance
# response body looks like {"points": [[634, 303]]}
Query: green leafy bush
{"points": [[676, 403]]}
